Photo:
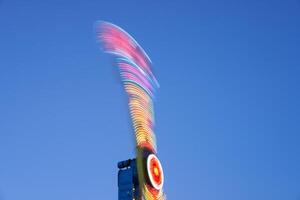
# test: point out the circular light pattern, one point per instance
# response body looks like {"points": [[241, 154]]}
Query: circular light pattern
{"points": [[139, 81], [155, 172]]}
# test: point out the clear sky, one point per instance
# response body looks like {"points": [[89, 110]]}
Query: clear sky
{"points": [[227, 112]]}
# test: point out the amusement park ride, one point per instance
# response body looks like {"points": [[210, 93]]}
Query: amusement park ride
{"points": [[141, 178]]}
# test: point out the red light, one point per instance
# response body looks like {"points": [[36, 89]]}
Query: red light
{"points": [[155, 172]]}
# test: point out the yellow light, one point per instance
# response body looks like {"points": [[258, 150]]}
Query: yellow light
{"points": [[156, 172]]}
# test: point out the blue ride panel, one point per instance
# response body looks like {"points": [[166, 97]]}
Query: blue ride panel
{"points": [[128, 187]]}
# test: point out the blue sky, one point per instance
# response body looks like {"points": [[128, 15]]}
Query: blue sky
{"points": [[227, 112]]}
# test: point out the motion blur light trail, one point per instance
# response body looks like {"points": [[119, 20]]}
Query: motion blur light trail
{"points": [[140, 86]]}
